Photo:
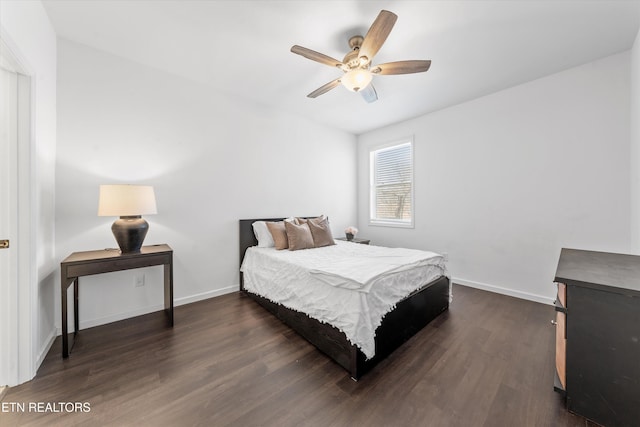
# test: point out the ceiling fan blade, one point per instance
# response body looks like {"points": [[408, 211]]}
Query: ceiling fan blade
{"points": [[369, 93], [324, 88], [377, 34], [316, 56], [402, 67]]}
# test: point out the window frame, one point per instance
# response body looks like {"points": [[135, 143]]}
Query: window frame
{"points": [[373, 221]]}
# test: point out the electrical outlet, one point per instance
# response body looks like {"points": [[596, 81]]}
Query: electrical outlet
{"points": [[138, 280]]}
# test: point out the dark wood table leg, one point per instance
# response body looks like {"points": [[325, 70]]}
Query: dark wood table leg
{"points": [[168, 292], [63, 298], [76, 316]]}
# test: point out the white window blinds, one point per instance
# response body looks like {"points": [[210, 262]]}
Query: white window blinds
{"points": [[392, 185]]}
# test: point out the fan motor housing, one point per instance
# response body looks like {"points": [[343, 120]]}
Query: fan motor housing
{"points": [[352, 59], [355, 42]]}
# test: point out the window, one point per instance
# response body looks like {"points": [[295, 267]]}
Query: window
{"points": [[391, 186]]}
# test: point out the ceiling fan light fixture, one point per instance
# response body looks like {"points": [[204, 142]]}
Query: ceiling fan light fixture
{"points": [[356, 79], [356, 65]]}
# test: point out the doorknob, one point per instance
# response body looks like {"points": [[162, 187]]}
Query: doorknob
{"points": [[4, 244]]}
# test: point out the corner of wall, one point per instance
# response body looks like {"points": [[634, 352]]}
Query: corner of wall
{"points": [[635, 145]]}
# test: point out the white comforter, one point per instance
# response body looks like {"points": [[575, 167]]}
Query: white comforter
{"points": [[348, 285]]}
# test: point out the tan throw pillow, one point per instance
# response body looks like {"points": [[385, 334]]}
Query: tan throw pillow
{"points": [[279, 234], [321, 233], [299, 236], [316, 220]]}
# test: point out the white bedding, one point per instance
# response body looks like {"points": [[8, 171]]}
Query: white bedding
{"points": [[348, 285]]}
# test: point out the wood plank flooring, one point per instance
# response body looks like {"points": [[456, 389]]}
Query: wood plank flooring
{"points": [[488, 361]]}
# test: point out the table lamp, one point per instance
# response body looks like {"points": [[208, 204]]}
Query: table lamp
{"points": [[129, 202]]}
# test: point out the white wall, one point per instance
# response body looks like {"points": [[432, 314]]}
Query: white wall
{"points": [[212, 160], [635, 145], [504, 181], [27, 30]]}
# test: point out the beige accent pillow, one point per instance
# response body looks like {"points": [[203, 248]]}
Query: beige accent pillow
{"points": [[279, 234], [299, 236], [321, 233], [316, 220]]}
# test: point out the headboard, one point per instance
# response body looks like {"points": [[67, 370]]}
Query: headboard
{"points": [[248, 238]]}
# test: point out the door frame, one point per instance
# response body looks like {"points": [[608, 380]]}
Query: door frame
{"points": [[20, 332]]}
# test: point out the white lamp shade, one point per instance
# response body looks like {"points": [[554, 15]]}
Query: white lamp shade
{"points": [[357, 79], [126, 200]]}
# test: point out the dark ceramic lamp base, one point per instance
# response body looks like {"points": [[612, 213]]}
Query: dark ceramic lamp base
{"points": [[130, 232]]}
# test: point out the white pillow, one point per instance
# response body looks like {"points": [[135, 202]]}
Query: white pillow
{"points": [[263, 235]]}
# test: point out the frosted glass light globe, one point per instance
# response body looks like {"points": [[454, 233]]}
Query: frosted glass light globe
{"points": [[356, 79]]}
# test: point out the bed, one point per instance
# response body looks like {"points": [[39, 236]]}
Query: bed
{"points": [[408, 316]]}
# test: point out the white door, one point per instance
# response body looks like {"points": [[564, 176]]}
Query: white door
{"points": [[8, 224], [17, 326]]}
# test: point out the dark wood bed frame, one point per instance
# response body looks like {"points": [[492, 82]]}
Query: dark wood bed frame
{"points": [[410, 316]]}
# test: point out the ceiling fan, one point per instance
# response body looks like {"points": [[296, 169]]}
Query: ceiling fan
{"points": [[356, 65]]}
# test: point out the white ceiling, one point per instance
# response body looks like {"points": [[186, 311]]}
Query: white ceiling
{"points": [[242, 47]]}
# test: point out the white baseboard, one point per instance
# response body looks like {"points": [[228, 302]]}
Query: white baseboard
{"points": [[504, 291], [90, 323], [229, 289], [48, 342], [206, 295]]}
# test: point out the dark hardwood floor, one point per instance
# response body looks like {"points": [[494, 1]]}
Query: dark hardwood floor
{"points": [[488, 361]]}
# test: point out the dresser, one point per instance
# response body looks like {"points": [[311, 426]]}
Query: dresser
{"points": [[598, 335]]}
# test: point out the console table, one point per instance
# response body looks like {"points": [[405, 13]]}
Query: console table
{"points": [[87, 263]]}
